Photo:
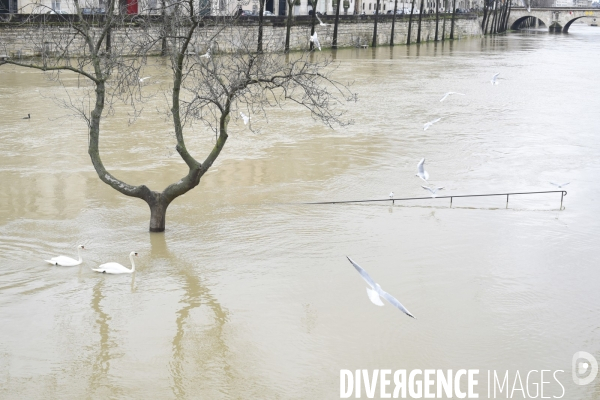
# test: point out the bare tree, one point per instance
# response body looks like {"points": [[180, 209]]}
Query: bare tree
{"points": [[374, 44], [334, 43], [412, 9], [288, 24], [206, 89], [420, 20], [393, 22]]}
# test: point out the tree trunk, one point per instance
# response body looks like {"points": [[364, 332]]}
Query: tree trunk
{"points": [[288, 24], [165, 19], [158, 212], [374, 44], [437, 19], [259, 48], [420, 19], [312, 21], [335, 25], [394, 22], [452, 22], [412, 9], [485, 15]]}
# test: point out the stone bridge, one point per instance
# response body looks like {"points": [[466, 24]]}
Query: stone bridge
{"points": [[557, 19]]}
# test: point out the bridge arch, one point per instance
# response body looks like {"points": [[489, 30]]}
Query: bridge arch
{"points": [[527, 21], [568, 24]]}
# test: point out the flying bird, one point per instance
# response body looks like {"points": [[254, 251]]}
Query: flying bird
{"points": [[207, 54], [245, 118], [560, 185], [376, 291], [421, 173], [448, 94], [116, 268], [321, 22], [144, 78], [432, 190], [428, 124], [494, 81], [315, 40], [64, 261]]}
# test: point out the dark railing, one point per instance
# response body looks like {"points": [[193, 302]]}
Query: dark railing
{"points": [[563, 193]]}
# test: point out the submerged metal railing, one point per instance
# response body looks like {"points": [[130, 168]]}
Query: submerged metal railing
{"points": [[563, 193]]}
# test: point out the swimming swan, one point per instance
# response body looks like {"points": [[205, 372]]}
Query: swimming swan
{"points": [[64, 261], [116, 268]]}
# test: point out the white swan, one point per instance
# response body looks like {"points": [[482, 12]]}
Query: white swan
{"points": [[116, 268], [64, 261]]}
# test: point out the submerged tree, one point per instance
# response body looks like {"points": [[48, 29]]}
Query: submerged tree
{"points": [[206, 89]]}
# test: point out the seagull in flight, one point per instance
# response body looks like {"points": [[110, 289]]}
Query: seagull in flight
{"points": [[144, 78], [376, 291], [494, 81], [321, 22], [315, 40], [421, 173], [207, 54], [448, 94], [245, 118], [432, 190], [560, 185], [428, 124]]}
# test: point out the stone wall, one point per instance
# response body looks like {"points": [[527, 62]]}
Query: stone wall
{"points": [[22, 39]]}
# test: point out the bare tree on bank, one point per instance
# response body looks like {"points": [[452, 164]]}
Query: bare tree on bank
{"points": [[288, 24], [420, 19], [393, 22], [412, 9], [313, 20], [334, 44], [437, 19], [261, 11], [374, 43], [452, 20], [206, 90]]}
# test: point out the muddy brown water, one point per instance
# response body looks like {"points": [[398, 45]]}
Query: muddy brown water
{"points": [[248, 294]]}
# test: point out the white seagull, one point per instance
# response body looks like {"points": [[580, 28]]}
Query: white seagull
{"points": [[315, 40], [448, 94], [391, 195], [494, 81], [144, 78], [376, 291], [560, 185], [116, 268], [428, 124], [432, 190], [245, 118], [64, 261], [321, 22], [421, 173], [207, 54]]}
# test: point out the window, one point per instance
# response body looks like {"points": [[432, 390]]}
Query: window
{"points": [[363, 6], [369, 6], [56, 5]]}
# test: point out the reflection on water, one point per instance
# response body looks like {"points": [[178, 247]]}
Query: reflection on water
{"points": [[248, 293]]}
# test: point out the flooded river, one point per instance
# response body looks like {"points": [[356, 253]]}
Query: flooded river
{"points": [[248, 293]]}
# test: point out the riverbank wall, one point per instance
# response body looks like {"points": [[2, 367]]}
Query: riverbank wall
{"points": [[22, 37]]}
